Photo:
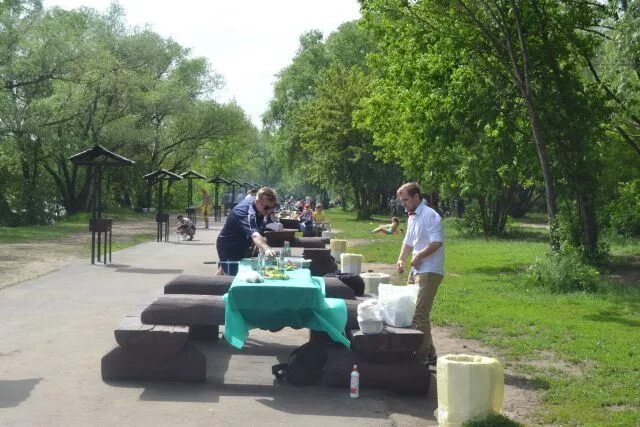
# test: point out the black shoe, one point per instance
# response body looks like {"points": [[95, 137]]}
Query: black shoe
{"points": [[190, 237]]}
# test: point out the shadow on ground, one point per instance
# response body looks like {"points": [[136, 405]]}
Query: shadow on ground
{"points": [[278, 395], [14, 392]]}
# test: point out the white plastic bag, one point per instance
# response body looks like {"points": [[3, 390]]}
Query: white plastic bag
{"points": [[250, 276], [398, 304], [370, 317]]}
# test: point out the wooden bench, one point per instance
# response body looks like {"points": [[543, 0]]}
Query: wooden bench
{"points": [[408, 376], [194, 284], [153, 352]]}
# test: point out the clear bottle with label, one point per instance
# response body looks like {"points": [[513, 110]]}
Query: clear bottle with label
{"points": [[261, 261], [355, 383]]}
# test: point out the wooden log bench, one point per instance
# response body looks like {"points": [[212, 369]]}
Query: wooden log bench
{"points": [[309, 242], [322, 262], [194, 284], [276, 239], [389, 346], [408, 376], [153, 352], [202, 313], [290, 223]]}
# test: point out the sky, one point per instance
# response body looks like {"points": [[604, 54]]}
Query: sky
{"points": [[247, 42]]}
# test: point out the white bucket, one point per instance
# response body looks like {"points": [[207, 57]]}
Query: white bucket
{"points": [[338, 247], [372, 280], [468, 387], [351, 263]]}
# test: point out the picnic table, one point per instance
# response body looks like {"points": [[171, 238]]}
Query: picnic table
{"points": [[298, 302]]}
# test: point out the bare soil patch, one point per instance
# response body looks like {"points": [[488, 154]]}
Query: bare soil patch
{"points": [[25, 261]]}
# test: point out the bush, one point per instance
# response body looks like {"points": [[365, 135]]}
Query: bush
{"points": [[563, 272], [470, 225], [624, 212]]}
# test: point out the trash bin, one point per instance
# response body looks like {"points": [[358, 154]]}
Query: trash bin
{"points": [[372, 280], [468, 387], [351, 263]]}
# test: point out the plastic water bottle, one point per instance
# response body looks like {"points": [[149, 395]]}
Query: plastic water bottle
{"points": [[286, 249], [355, 382], [261, 261]]}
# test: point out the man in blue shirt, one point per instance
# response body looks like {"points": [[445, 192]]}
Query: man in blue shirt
{"points": [[242, 228]]}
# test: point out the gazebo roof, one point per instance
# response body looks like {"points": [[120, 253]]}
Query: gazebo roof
{"points": [[162, 174], [99, 156], [235, 182], [218, 180], [193, 175], [256, 186]]}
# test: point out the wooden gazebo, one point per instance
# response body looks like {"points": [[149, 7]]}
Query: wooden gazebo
{"points": [[162, 219], [216, 181], [95, 159], [191, 210]]}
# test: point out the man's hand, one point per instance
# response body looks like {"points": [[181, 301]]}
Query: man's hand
{"points": [[416, 260], [400, 266], [270, 252]]}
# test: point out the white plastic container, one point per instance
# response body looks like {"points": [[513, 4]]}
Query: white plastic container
{"points": [[372, 280], [370, 326], [468, 387], [351, 263], [338, 247]]}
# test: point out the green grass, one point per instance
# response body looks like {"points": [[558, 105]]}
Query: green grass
{"points": [[73, 225], [582, 351]]}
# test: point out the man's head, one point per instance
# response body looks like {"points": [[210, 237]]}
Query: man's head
{"points": [[266, 200], [318, 207], [410, 196], [180, 217]]}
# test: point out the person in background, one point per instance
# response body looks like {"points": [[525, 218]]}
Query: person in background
{"points": [[306, 219], [319, 218], [242, 228], [393, 228], [185, 227], [251, 194], [424, 241], [206, 201], [391, 205]]}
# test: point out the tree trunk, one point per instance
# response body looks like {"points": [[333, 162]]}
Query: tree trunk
{"points": [[589, 224]]}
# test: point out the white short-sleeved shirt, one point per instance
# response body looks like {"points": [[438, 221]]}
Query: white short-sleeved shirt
{"points": [[425, 227]]}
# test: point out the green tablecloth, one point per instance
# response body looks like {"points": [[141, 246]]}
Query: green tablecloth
{"points": [[298, 302]]}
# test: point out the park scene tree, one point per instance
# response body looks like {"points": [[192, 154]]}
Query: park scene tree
{"points": [[520, 120]]}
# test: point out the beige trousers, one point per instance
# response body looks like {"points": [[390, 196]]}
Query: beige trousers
{"points": [[428, 284]]}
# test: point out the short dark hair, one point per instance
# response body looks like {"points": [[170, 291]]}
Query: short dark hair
{"points": [[180, 217], [412, 188]]}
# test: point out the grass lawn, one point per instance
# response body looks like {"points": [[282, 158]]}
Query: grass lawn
{"points": [[581, 350], [75, 224]]}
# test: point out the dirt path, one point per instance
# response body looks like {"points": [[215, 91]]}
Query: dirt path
{"points": [[25, 261]]}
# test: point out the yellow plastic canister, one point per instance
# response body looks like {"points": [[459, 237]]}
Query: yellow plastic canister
{"points": [[468, 387]]}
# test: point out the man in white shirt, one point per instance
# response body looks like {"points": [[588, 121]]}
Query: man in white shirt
{"points": [[424, 240]]}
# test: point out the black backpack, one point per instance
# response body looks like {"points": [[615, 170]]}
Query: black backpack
{"points": [[305, 365]]}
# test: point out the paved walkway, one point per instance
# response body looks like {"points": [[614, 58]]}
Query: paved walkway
{"points": [[56, 328]]}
